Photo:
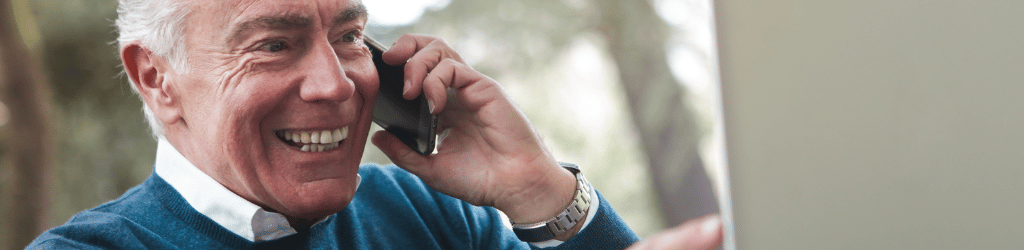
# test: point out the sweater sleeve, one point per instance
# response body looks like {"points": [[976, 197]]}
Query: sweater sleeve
{"points": [[606, 231]]}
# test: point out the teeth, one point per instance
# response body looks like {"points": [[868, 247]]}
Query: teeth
{"points": [[319, 148], [315, 141], [326, 137], [337, 133]]}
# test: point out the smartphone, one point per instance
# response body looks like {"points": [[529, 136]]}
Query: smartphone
{"points": [[409, 120]]}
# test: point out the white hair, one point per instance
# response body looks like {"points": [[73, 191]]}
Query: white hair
{"points": [[158, 25]]}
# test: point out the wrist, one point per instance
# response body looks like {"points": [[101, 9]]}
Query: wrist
{"points": [[567, 222], [544, 198]]}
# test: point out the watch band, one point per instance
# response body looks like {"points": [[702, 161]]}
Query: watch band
{"points": [[564, 221]]}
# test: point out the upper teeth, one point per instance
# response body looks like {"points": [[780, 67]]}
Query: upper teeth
{"points": [[328, 137]]}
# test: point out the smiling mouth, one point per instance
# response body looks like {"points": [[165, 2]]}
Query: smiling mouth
{"points": [[313, 140]]}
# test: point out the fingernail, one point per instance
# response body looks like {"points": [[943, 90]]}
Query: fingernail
{"points": [[431, 105], [405, 88], [710, 224]]}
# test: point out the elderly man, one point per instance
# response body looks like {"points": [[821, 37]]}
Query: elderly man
{"points": [[228, 85]]}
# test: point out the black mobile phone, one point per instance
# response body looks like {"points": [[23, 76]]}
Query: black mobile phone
{"points": [[409, 120]]}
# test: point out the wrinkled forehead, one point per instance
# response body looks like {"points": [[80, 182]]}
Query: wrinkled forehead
{"points": [[227, 18]]}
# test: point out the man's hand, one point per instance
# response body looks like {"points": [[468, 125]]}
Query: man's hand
{"points": [[488, 154], [697, 234]]}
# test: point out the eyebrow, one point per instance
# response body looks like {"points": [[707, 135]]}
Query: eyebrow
{"points": [[271, 22], [350, 14], [284, 22]]}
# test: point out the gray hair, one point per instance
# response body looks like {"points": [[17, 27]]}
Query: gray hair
{"points": [[158, 25]]}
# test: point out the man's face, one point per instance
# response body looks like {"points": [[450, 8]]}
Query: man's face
{"points": [[263, 72]]}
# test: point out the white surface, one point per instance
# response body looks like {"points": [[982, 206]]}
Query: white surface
{"points": [[874, 124]]}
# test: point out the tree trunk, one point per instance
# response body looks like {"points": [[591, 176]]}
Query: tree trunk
{"points": [[27, 138], [636, 38]]}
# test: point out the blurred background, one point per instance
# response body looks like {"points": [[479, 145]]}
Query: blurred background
{"points": [[626, 89]]}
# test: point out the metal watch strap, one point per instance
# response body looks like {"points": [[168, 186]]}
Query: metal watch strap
{"points": [[564, 221]]}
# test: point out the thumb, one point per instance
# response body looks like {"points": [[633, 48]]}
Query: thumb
{"points": [[399, 153]]}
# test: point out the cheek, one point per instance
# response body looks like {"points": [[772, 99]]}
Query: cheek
{"points": [[364, 75], [240, 93], [243, 136], [246, 105], [241, 117]]}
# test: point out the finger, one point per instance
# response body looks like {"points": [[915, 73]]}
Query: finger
{"points": [[402, 52], [699, 234], [418, 55], [437, 82], [406, 46], [399, 153], [424, 61], [709, 233], [640, 245], [474, 89]]}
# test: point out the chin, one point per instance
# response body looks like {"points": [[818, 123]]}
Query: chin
{"points": [[319, 199]]}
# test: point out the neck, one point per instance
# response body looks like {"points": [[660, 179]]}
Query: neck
{"points": [[301, 224]]}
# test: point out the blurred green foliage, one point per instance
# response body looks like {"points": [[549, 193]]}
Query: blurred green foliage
{"points": [[104, 145]]}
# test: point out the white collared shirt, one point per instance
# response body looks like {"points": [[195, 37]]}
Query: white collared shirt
{"points": [[212, 199], [242, 217]]}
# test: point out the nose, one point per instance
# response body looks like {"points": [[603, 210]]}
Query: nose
{"points": [[325, 77]]}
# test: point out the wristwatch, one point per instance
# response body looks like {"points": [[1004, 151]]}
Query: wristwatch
{"points": [[564, 221]]}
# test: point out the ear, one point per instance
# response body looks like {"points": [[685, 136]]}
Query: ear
{"points": [[150, 74]]}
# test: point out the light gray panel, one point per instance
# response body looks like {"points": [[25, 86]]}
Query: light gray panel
{"points": [[874, 124]]}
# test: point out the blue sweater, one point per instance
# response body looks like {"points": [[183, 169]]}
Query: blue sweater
{"points": [[392, 209]]}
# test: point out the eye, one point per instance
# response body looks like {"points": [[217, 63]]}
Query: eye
{"points": [[275, 46], [350, 37]]}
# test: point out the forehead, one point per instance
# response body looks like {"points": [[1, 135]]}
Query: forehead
{"points": [[237, 14], [242, 8]]}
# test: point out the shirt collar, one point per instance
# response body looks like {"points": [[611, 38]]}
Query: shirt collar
{"points": [[212, 199]]}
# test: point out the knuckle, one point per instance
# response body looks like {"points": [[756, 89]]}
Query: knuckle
{"points": [[451, 61], [442, 44], [408, 36], [422, 38], [438, 86], [432, 80], [415, 66], [438, 40], [446, 63]]}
